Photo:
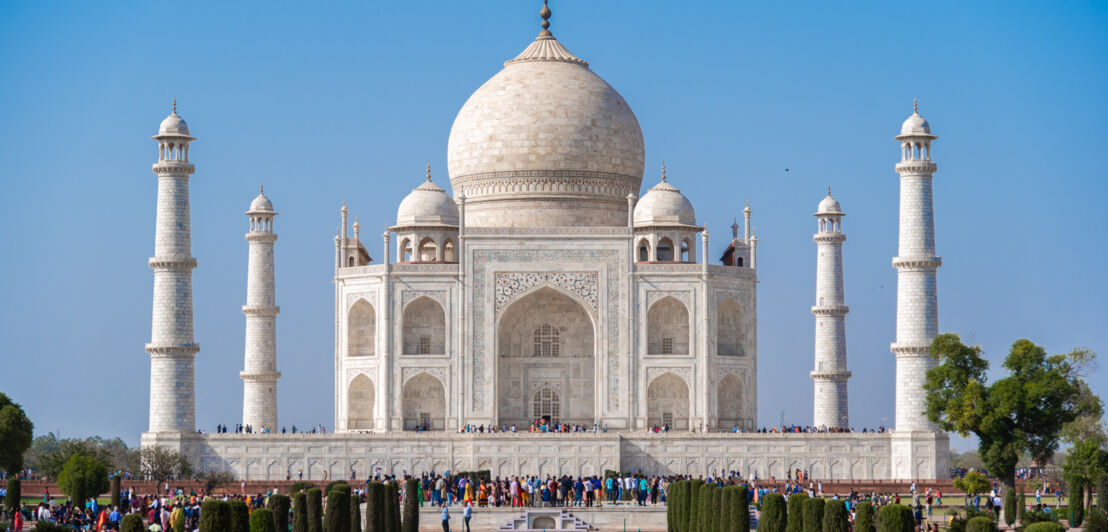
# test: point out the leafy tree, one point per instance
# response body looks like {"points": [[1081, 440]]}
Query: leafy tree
{"points": [[796, 512], [835, 517], [773, 517], [278, 505], [261, 520], [1102, 492], [337, 517], [131, 523], [1096, 521], [160, 464], [813, 514], [315, 510], [1023, 412], [48, 454], [971, 484], [1085, 464], [83, 477], [15, 434], [896, 518], [411, 506], [300, 512], [863, 518], [240, 516], [215, 478]]}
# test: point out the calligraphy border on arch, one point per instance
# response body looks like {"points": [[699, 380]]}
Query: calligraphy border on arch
{"points": [[407, 296], [511, 284]]}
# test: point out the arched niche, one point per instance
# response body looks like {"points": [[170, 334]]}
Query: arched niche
{"points": [[360, 397], [667, 402], [361, 330], [424, 329], [667, 328]]}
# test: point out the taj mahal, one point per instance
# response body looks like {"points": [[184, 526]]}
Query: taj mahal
{"points": [[547, 284]]}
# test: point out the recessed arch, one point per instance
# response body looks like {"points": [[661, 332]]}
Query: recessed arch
{"points": [[686, 250], [428, 250], [665, 250], [361, 329], [448, 252], [405, 250], [424, 329], [423, 403], [730, 328], [667, 402], [644, 250], [360, 398], [729, 402], [667, 327]]}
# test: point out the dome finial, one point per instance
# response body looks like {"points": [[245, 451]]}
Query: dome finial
{"points": [[829, 191], [915, 105], [428, 171], [545, 14], [261, 188], [663, 171], [174, 105]]}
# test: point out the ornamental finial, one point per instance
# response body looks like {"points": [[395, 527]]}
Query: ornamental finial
{"points": [[915, 106], [428, 171], [261, 188], [545, 14], [663, 171], [829, 191], [174, 105], [344, 209]]}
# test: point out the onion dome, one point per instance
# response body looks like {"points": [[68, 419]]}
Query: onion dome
{"points": [[261, 204], [545, 142], [915, 125], [664, 205], [427, 204]]}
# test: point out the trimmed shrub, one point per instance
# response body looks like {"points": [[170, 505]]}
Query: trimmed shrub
{"points": [[740, 514], [13, 498], [240, 516], [813, 514], [331, 486], [392, 507], [1102, 492], [796, 512], [705, 514], [725, 508], [1077, 503], [300, 512], [116, 480], [1022, 506], [355, 513], [411, 506], [215, 516], [1010, 505], [261, 520], [981, 524], [671, 507], [896, 518], [1096, 521], [774, 516], [337, 518], [694, 506], [863, 518], [131, 523], [375, 508], [278, 506], [714, 510], [300, 485], [315, 510], [835, 517], [46, 526], [1047, 526]]}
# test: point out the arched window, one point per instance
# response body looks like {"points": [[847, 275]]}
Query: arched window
{"points": [[685, 247], [428, 250], [405, 250], [644, 251], [547, 405], [424, 328], [740, 262], [350, 261], [448, 252], [546, 341], [665, 250], [361, 329], [667, 328]]}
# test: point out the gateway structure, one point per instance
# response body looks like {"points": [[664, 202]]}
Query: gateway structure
{"points": [[546, 286]]}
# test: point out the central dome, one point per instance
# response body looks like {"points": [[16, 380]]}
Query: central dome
{"points": [[545, 142]]}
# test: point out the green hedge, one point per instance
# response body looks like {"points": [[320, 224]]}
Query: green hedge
{"points": [[1096, 521], [300, 485], [1045, 526], [835, 517], [813, 514], [215, 516], [740, 515], [981, 524], [863, 518], [261, 520], [726, 508], [392, 507], [411, 506], [694, 506], [116, 480], [671, 506], [355, 513], [1010, 505], [240, 516], [12, 499], [315, 510], [1077, 503], [131, 523], [331, 485], [278, 506], [896, 518], [375, 508], [796, 512], [300, 512], [774, 516], [338, 509]]}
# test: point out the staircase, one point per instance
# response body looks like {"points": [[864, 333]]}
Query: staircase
{"points": [[552, 519]]}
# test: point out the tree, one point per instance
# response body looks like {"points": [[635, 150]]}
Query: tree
{"points": [[115, 490], [835, 517], [796, 512], [1010, 506], [215, 516], [315, 510], [411, 506], [671, 506], [773, 517], [1077, 502], [300, 512], [83, 477], [48, 454], [337, 517], [375, 507], [278, 505], [160, 464], [725, 508], [215, 478], [813, 514], [741, 515], [1102, 492], [355, 513], [261, 520], [13, 499], [1023, 412], [981, 524], [896, 518], [392, 506], [1085, 464], [971, 484], [131, 523], [694, 505], [1096, 521], [863, 518], [15, 434], [706, 508], [240, 516]]}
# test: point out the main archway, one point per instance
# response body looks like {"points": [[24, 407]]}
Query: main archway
{"points": [[545, 348]]}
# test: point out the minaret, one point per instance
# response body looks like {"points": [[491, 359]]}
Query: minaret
{"points": [[259, 376], [917, 313], [172, 350], [830, 373]]}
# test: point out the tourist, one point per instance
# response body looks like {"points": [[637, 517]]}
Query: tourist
{"points": [[446, 518], [466, 515]]}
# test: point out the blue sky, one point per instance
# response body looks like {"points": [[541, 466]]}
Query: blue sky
{"points": [[323, 102]]}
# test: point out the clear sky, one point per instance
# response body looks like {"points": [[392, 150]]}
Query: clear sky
{"points": [[334, 100]]}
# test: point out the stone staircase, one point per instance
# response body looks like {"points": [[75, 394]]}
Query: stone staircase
{"points": [[552, 519]]}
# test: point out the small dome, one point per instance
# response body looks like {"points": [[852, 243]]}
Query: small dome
{"points": [[664, 205], [915, 125], [427, 204], [173, 125], [261, 203], [829, 205]]}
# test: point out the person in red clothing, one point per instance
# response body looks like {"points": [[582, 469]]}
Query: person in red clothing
{"points": [[17, 523]]}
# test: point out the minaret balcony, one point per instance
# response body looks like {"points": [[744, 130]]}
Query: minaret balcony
{"points": [[173, 167], [917, 263], [832, 376], [830, 310], [916, 167]]}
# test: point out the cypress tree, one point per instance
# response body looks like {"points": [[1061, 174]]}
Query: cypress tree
{"points": [[278, 505], [896, 518], [209, 516], [411, 506], [694, 506], [13, 498], [813, 514], [355, 512], [240, 516], [375, 508], [1077, 503], [669, 509], [796, 512], [725, 507], [261, 520], [863, 518], [774, 516], [1010, 506], [709, 515], [835, 517], [740, 515], [315, 510], [678, 498], [116, 480], [1102, 492], [338, 509], [1022, 506], [391, 523], [300, 512]]}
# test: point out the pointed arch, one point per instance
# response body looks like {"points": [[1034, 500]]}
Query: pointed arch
{"points": [[360, 398], [729, 402], [449, 254], [667, 402], [428, 250], [643, 250], [361, 329], [424, 330], [423, 403], [730, 328], [405, 250], [667, 327], [686, 250], [665, 250]]}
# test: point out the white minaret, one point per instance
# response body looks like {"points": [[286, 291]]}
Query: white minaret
{"points": [[917, 313], [259, 376], [830, 373], [172, 350]]}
